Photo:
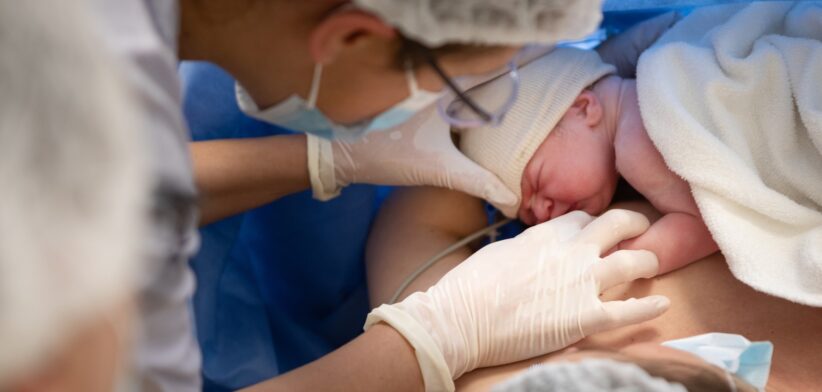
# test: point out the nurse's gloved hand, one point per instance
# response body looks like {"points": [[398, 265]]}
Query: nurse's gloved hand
{"points": [[526, 296], [418, 152]]}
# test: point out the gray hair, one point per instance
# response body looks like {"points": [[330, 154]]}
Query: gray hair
{"points": [[74, 184], [590, 375]]}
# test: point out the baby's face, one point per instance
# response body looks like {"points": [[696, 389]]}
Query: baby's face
{"points": [[573, 169]]}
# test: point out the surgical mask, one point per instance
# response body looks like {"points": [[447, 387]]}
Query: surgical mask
{"points": [[750, 361], [299, 115]]}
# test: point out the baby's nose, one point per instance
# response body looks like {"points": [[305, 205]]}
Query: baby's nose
{"points": [[541, 207]]}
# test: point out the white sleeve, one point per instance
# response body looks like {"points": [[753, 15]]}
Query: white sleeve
{"points": [[143, 34]]}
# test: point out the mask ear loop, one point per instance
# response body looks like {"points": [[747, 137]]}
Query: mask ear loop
{"points": [[315, 86], [413, 88], [730, 380]]}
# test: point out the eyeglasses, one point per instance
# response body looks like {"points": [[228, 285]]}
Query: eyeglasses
{"points": [[467, 104]]}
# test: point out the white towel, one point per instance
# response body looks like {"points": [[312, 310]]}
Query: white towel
{"points": [[732, 98]]}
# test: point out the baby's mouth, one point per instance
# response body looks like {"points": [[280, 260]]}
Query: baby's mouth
{"points": [[557, 212], [573, 207]]}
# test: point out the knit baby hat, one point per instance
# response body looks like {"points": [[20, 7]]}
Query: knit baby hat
{"points": [[548, 87]]}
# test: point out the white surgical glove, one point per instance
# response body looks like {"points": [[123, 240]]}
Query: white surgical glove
{"points": [[418, 152], [623, 50], [527, 296]]}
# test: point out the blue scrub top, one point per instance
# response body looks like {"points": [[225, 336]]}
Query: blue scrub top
{"points": [[281, 285]]}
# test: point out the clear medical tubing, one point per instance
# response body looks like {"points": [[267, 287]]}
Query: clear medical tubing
{"points": [[445, 252]]}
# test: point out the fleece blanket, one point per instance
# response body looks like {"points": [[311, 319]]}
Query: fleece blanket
{"points": [[732, 98]]}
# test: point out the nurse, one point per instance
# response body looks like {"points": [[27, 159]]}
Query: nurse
{"points": [[344, 70]]}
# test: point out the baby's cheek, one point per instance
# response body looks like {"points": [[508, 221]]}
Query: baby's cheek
{"points": [[524, 212], [601, 205], [525, 186]]}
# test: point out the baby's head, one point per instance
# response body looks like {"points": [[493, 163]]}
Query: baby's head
{"points": [[551, 150]]}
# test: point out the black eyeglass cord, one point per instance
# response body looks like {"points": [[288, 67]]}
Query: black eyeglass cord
{"points": [[411, 45]]}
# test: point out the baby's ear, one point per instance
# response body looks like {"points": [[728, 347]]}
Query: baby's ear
{"points": [[588, 107]]}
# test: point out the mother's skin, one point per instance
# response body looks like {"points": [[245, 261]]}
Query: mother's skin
{"points": [[705, 297]]}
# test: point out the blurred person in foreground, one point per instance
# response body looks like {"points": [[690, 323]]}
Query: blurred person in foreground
{"points": [[71, 206]]}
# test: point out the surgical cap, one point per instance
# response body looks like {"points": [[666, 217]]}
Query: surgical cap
{"points": [[490, 22], [590, 375], [73, 182]]}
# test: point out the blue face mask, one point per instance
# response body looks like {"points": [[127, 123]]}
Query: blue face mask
{"points": [[750, 361], [299, 115]]}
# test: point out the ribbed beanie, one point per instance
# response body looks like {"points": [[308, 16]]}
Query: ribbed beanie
{"points": [[548, 87]]}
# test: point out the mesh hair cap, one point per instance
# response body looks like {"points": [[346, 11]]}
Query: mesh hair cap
{"points": [[590, 375], [490, 22]]}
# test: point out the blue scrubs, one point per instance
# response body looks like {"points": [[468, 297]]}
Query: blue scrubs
{"points": [[281, 285]]}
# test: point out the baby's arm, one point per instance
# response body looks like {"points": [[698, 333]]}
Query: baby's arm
{"points": [[677, 239], [680, 237]]}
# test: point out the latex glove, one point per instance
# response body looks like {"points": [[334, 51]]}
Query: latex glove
{"points": [[623, 50], [526, 296], [418, 152]]}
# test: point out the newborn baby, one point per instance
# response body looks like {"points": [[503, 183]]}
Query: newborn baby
{"points": [[574, 129]]}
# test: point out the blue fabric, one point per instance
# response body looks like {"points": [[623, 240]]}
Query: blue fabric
{"points": [[283, 284], [633, 5]]}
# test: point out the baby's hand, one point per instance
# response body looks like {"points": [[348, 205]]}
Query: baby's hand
{"points": [[677, 239]]}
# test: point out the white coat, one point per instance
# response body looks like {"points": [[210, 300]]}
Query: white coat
{"points": [[143, 33]]}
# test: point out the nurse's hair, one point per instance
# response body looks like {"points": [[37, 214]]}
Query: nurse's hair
{"points": [[73, 180]]}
